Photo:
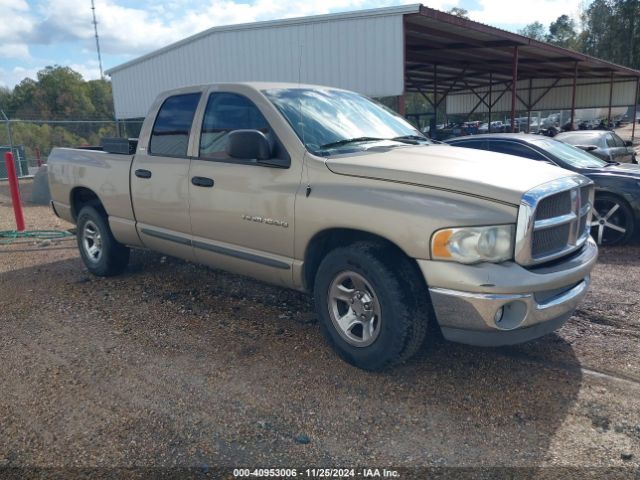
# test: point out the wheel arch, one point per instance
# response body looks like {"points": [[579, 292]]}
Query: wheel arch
{"points": [[327, 240], [80, 197]]}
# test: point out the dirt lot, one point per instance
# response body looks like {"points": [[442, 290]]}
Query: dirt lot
{"points": [[174, 364]]}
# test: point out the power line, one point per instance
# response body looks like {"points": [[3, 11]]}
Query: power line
{"points": [[95, 28]]}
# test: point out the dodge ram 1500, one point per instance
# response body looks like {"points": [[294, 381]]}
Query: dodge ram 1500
{"points": [[323, 190]]}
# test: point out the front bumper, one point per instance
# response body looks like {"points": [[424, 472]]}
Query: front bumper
{"points": [[505, 304]]}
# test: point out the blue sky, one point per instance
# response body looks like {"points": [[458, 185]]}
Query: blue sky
{"points": [[48, 32]]}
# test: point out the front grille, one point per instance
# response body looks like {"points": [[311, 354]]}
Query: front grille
{"points": [[554, 206], [550, 241], [553, 220]]}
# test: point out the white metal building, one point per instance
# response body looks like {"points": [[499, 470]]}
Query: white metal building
{"points": [[362, 51], [457, 64]]}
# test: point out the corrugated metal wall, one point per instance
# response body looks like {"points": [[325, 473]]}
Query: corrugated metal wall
{"points": [[363, 53], [588, 95]]}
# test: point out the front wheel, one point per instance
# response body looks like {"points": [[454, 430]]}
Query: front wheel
{"points": [[372, 316], [612, 222], [101, 253]]}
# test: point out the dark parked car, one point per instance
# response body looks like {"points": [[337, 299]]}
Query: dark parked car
{"points": [[617, 201], [603, 144]]}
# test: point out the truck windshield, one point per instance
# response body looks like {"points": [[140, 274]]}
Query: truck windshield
{"points": [[336, 121]]}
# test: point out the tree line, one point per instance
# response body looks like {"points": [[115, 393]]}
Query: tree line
{"points": [[607, 29], [58, 94]]}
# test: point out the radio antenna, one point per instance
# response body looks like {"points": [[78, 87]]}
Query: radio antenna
{"points": [[95, 29]]}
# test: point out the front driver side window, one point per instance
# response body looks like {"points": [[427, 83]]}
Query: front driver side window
{"points": [[226, 112]]}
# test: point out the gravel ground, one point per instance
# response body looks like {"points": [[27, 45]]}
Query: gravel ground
{"points": [[174, 364]]}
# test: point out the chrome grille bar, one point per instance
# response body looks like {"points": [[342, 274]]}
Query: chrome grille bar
{"points": [[553, 220]]}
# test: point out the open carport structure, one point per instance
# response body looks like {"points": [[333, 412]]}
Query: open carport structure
{"points": [[461, 66], [471, 67]]}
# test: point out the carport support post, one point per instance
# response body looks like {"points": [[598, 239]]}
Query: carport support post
{"points": [[514, 87], [490, 98], [573, 94], [529, 108], [610, 99], [435, 92], [635, 110], [402, 105]]}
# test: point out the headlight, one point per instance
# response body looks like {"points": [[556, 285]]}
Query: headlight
{"points": [[473, 244]]}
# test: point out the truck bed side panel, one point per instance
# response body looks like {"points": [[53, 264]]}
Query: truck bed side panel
{"points": [[105, 174]]}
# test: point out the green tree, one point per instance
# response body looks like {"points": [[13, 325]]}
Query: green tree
{"points": [[611, 30], [459, 12], [534, 30], [59, 93], [563, 33]]}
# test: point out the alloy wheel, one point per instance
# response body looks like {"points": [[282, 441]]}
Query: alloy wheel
{"points": [[610, 223], [354, 309]]}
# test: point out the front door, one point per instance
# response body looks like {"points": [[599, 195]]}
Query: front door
{"points": [[160, 178], [242, 213]]}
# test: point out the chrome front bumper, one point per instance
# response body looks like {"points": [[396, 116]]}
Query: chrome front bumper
{"points": [[493, 318]]}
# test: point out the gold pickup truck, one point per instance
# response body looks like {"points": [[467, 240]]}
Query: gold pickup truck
{"points": [[323, 190]]}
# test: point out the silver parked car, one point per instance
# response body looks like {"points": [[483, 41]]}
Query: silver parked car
{"points": [[602, 143]]}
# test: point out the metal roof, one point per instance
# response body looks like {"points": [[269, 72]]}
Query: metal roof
{"points": [[467, 52], [373, 12]]}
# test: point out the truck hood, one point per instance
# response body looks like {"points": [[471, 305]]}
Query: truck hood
{"points": [[480, 173]]}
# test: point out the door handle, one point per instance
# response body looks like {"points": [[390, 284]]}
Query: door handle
{"points": [[140, 173], [202, 181]]}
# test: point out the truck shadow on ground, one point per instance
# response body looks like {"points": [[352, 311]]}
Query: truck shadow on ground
{"points": [[198, 367]]}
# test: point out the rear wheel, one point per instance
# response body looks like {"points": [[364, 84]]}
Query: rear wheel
{"points": [[368, 311], [612, 222], [101, 253]]}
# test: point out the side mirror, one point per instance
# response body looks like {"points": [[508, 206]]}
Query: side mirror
{"points": [[628, 143], [587, 148], [249, 145]]}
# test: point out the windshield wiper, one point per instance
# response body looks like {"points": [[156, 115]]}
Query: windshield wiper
{"points": [[412, 139], [347, 141]]}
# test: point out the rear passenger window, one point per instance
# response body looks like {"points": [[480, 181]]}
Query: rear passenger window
{"points": [[617, 140], [611, 142], [225, 113], [170, 135]]}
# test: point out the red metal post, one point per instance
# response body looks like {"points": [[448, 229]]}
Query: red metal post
{"points": [[514, 87], [573, 94], [15, 191], [402, 105], [529, 107], [435, 92], [38, 157], [490, 99], [610, 99], [635, 110]]}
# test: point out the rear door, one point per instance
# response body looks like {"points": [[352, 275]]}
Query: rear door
{"points": [[616, 147], [242, 213], [160, 176], [626, 153]]}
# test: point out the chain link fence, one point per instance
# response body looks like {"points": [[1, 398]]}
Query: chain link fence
{"points": [[32, 140]]}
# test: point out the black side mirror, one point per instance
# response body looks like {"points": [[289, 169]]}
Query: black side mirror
{"points": [[249, 145], [587, 148], [628, 143]]}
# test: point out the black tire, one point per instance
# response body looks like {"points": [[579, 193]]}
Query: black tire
{"points": [[398, 293], [108, 257], [611, 213]]}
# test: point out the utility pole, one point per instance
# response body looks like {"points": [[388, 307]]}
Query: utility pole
{"points": [[95, 29]]}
